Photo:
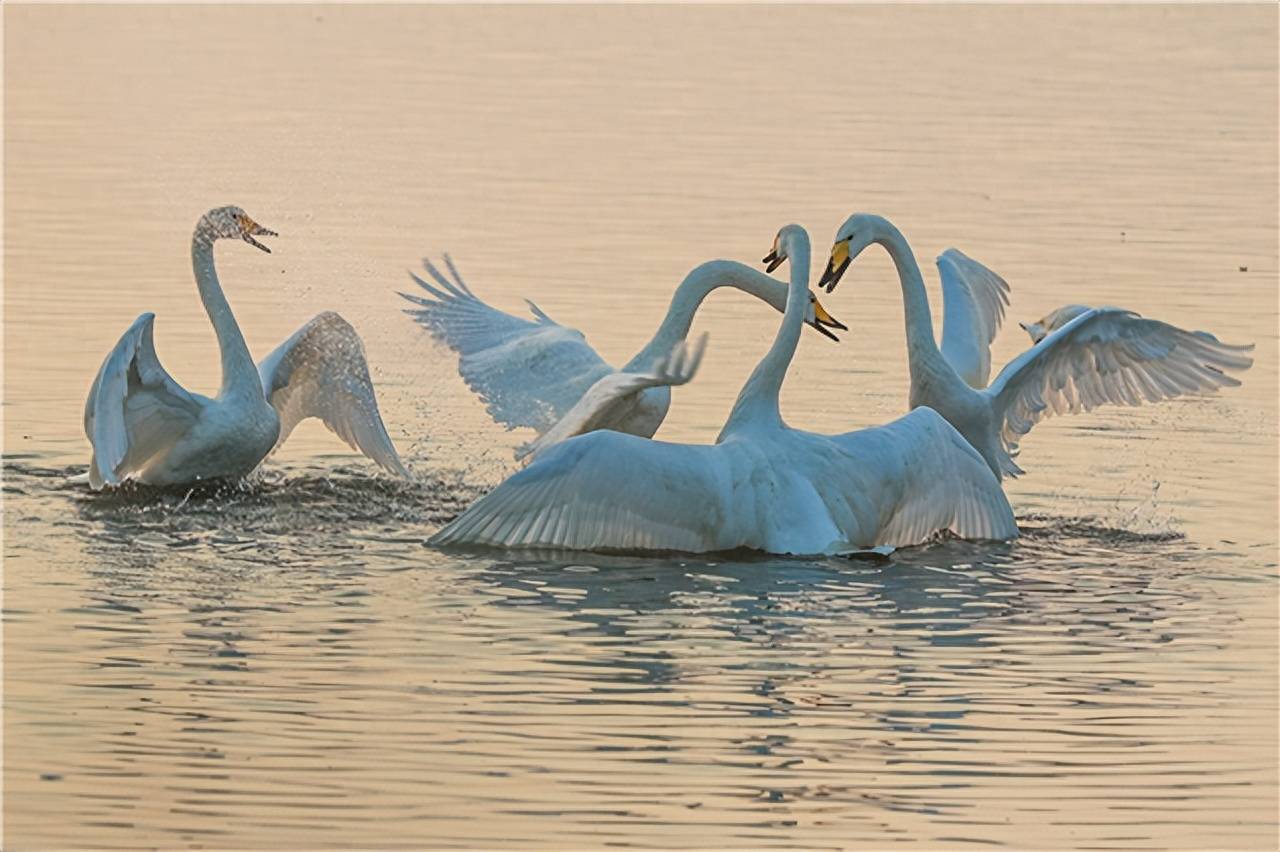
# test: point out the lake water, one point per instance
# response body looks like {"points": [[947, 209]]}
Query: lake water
{"points": [[289, 666]]}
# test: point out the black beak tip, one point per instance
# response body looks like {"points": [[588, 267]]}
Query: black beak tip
{"points": [[831, 276], [825, 332]]}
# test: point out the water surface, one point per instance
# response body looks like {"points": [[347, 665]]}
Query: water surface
{"points": [[288, 665]]}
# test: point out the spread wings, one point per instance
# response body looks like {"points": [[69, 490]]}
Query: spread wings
{"points": [[604, 491], [973, 303], [321, 372], [930, 478], [1109, 355], [607, 402], [135, 409], [527, 373]]}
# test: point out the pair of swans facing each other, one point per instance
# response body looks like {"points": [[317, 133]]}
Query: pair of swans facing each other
{"points": [[762, 485], [144, 426]]}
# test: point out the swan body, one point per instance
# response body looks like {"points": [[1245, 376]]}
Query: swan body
{"points": [[1094, 357], [140, 420], [762, 485], [143, 425], [530, 373], [614, 397]]}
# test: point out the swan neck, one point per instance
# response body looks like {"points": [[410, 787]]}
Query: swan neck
{"points": [[693, 290], [239, 375], [757, 403], [915, 298]]}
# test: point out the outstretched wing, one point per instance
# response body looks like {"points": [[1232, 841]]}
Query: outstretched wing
{"points": [[609, 400], [527, 373], [973, 303], [604, 491], [135, 409], [1109, 355], [321, 372], [929, 478]]}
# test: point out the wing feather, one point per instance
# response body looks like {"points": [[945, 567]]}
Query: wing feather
{"points": [[527, 373], [569, 499], [973, 302], [1109, 356], [321, 371], [135, 409], [608, 400], [941, 482]]}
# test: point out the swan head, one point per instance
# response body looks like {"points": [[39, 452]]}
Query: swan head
{"points": [[859, 231], [1051, 322], [232, 223], [817, 316], [1035, 330], [790, 241]]}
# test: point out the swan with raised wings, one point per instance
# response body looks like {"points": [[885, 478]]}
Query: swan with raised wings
{"points": [[1102, 355], [531, 373], [143, 425], [762, 485]]}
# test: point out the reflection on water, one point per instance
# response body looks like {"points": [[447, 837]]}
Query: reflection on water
{"points": [[289, 662], [287, 665]]}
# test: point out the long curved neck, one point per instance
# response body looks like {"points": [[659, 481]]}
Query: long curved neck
{"points": [[757, 403], [239, 375], [689, 297], [915, 298]]}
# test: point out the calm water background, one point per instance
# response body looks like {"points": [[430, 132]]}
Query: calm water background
{"points": [[290, 666]]}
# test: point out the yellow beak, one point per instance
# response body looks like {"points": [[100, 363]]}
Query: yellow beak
{"points": [[836, 266]]}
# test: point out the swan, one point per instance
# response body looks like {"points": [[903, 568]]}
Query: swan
{"points": [[762, 485], [1054, 320], [143, 425], [1103, 355], [531, 373], [599, 404]]}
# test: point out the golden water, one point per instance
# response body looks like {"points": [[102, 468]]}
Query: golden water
{"points": [[290, 666]]}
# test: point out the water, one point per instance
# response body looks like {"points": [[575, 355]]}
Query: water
{"points": [[287, 664]]}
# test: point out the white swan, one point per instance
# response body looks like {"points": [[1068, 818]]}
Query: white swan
{"points": [[1054, 320], [1105, 355], [143, 425], [762, 485], [530, 374], [599, 405]]}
